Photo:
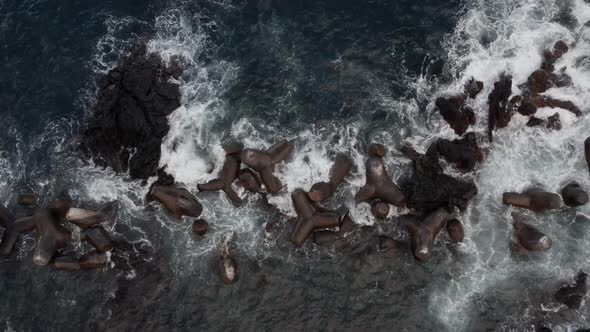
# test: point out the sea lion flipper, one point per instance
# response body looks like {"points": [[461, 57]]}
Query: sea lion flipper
{"points": [[213, 185], [364, 194], [271, 182]]}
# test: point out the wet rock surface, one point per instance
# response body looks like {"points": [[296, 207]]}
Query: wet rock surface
{"points": [[129, 120]]}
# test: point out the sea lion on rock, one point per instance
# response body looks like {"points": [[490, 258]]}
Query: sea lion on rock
{"points": [[321, 191], [533, 199], [428, 188], [379, 185], [572, 294], [263, 162], [455, 230], [227, 269], [84, 218], [228, 174], [97, 237], [498, 115], [179, 201], [309, 218], [573, 195], [50, 235], [423, 233], [249, 180], [380, 210], [464, 153], [587, 151], [527, 236], [13, 233], [200, 227], [455, 113]]}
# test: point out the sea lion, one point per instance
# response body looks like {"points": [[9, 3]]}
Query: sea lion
{"points": [[587, 151], [572, 294], [527, 236], [249, 180], [179, 201], [424, 232], [97, 237], [227, 269], [228, 174], [379, 185], [13, 232], [573, 195], [27, 199], [84, 218], [309, 218], [50, 235], [6, 217], [455, 230], [321, 191], [263, 162], [380, 210], [533, 199], [200, 228]]}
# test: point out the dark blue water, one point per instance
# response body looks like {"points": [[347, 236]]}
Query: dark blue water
{"points": [[290, 65]]}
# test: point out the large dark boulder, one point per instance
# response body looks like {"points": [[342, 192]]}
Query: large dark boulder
{"points": [[499, 115], [129, 120], [463, 153], [456, 113], [429, 188]]}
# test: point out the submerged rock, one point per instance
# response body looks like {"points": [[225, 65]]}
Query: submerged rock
{"points": [[129, 120], [571, 295]]}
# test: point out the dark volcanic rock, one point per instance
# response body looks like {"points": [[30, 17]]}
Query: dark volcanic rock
{"points": [[554, 122], [498, 115], [572, 295], [473, 88], [455, 113], [463, 153], [429, 188], [535, 122], [129, 121]]}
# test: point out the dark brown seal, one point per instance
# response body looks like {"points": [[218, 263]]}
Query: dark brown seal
{"points": [[379, 185], [228, 174], [573, 195], [423, 233], [249, 180], [533, 199], [84, 218], [200, 228], [329, 237], [263, 162], [179, 201], [309, 218], [321, 191]]}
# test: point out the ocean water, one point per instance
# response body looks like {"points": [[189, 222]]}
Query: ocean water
{"points": [[332, 76]]}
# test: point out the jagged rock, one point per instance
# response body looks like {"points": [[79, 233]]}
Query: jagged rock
{"points": [[462, 153], [554, 122], [129, 120], [473, 88], [455, 113], [498, 115]]}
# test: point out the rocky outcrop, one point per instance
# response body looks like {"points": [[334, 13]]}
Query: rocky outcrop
{"points": [[129, 120]]}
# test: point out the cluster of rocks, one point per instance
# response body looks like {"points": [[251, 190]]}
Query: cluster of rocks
{"points": [[53, 236], [129, 122]]}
